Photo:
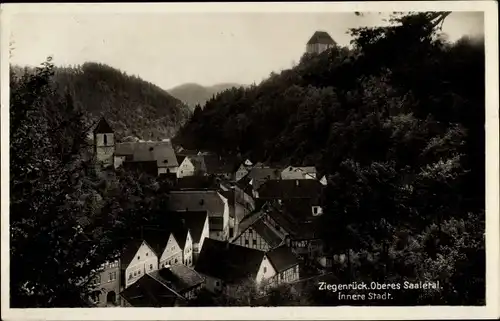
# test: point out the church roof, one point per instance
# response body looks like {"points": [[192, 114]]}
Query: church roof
{"points": [[103, 127], [321, 37]]}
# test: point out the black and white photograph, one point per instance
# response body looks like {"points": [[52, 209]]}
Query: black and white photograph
{"points": [[232, 157]]}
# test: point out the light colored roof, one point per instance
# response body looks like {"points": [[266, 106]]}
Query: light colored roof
{"points": [[188, 200], [161, 152]]}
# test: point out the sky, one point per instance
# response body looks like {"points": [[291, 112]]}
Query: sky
{"points": [[170, 49]]}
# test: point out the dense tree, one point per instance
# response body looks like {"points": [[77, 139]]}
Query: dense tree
{"points": [[67, 216], [397, 124]]}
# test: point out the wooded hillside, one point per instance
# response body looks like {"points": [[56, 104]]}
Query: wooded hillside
{"points": [[132, 106], [397, 124]]}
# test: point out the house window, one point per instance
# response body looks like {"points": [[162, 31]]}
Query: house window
{"points": [[151, 266], [105, 137], [254, 242], [139, 272], [217, 283], [265, 269], [246, 242], [315, 210], [147, 253], [135, 273], [138, 257], [130, 276], [97, 280], [231, 232], [176, 260]]}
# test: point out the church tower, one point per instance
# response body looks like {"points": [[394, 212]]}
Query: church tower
{"points": [[104, 142]]}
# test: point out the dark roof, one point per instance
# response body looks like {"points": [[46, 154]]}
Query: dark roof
{"points": [[249, 220], [299, 208], [244, 184], [102, 127], [195, 221], [198, 162], [267, 233], [167, 224], [195, 182], [178, 277], [282, 258], [216, 223], [321, 37], [188, 200], [218, 165], [259, 175], [160, 152], [128, 252], [157, 239], [149, 292], [291, 188], [180, 158], [228, 262]]}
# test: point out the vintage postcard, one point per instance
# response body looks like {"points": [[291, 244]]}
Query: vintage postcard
{"points": [[250, 161]]}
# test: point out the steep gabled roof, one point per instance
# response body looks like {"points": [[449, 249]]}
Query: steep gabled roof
{"points": [[282, 258], [103, 127], [267, 233], [321, 37], [194, 221], [149, 292], [228, 262], [129, 250], [160, 152], [178, 277]]}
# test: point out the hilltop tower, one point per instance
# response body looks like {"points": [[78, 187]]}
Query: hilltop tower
{"points": [[104, 143], [319, 42]]}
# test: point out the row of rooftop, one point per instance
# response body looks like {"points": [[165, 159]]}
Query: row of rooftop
{"points": [[225, 221]]}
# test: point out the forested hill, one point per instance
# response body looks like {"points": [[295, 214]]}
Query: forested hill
{"points": [[397, 124], [195, 94], [133, 107], [349, 102]]}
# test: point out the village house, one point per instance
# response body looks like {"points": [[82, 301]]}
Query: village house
{"points": [[257, 176], [290, 189], [173, 244], [211, 201], [286, 265], [292, 172], [137, 258], [319, 42], [149, 292], [197, 223], [206, 164], [299, 225], [256, 233], [181, 279], [243, 170], [227, 266], [107, 282], [156, 158], [192, 165]]}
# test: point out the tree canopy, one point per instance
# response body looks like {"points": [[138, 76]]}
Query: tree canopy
{"points": [[396, 122]]}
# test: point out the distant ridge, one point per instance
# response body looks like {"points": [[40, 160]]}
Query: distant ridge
{"points": [[131, 105], [192, 94]]}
